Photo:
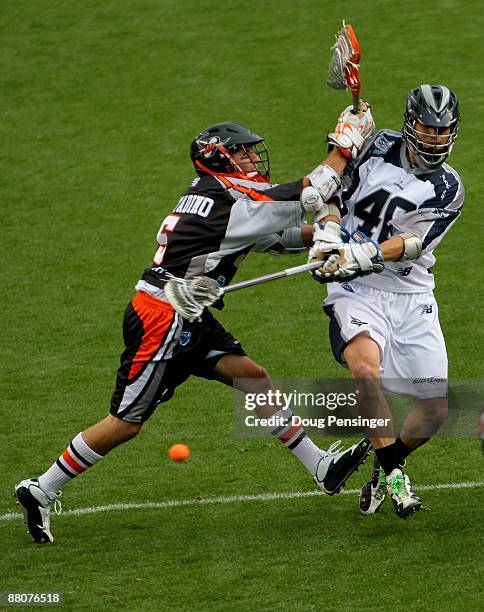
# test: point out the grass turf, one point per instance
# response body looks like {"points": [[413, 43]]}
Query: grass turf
{"points": [[99, 103]]}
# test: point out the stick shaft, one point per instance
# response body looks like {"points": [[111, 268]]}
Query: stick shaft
{"points": [[356, 103], [313, 265]]}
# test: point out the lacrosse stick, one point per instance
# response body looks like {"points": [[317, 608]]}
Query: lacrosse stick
{"points": [[190, 297], [344, 64], [313, 265]]}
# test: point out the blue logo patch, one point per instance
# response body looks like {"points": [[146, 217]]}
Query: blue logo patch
{"points": [[347, 287], [185, 338], [381, 146], [221, 280]]}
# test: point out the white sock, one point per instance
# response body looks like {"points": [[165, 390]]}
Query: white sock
{"points": [[296, 440], [77, 458]]}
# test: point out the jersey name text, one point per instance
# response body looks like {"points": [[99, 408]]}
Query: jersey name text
{"points": [[195, 205]]}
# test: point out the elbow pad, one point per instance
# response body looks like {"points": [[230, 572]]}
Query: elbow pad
{"points": [[325, 180], [412, 247]]}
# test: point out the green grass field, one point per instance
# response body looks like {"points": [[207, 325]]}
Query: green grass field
{"points": [[99, 103]]}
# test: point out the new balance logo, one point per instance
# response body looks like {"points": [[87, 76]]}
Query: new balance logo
{"points": [[427, 309], [355, 321], [404, 271]]}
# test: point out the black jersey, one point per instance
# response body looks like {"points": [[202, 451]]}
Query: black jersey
{"points": [[215, 224]]}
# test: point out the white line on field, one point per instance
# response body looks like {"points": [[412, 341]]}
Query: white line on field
{"points": [[233, 499]]}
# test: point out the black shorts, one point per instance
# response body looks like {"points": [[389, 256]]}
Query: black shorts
{"points": [[161, 351]]}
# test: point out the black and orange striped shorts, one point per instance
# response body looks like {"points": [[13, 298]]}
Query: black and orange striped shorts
{"points": [[161, 351]]}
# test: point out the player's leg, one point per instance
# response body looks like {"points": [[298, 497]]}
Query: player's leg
{"points": [[359, 332], [387, 477], [329, 469], [38, 495], [362, 354], [421, 424], [150, 333], [420, 370]]}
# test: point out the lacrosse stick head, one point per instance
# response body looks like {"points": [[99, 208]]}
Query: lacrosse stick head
{"points": [[205, 290], [343, 69], [190, 297]]}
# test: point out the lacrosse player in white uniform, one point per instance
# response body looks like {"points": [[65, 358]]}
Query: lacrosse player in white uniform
{"points": [[403, 196]]}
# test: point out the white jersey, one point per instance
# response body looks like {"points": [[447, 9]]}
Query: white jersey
{"points": [[386, 197]]}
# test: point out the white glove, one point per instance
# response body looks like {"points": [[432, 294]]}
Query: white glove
{"points": [[352, 130], [355, 259], [190, 297], [326, 240]]}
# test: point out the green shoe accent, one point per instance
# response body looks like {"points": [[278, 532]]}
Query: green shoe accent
{"points": [[396, 484]]}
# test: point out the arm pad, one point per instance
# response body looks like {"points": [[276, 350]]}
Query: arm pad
{"points": [[412, 247], [326, 180]]}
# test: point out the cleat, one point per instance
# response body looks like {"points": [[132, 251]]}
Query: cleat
{"points": [[373, 493], [336, 466], [400, 490], [36, 506]]}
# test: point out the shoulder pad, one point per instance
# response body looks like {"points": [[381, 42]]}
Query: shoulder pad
{"points": [[382, 142]]}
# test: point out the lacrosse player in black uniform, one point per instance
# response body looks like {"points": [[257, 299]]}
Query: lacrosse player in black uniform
{"points": [[227, 211]]}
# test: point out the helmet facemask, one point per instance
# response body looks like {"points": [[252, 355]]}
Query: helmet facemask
{"points": [[255, 164], [428, 150]]}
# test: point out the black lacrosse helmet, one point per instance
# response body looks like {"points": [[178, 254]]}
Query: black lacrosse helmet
{"points": [[211, 152], [434, 106]]}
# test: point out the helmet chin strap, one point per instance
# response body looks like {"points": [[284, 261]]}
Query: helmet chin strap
{"points": [[226, 152], [252, 176], [411, 158], [417, 164]]}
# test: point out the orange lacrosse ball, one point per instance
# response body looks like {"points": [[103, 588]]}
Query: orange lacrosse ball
{"points": [[179, 452]]}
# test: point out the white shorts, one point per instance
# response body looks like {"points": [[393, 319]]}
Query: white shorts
{"points": [[406, 328]]}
